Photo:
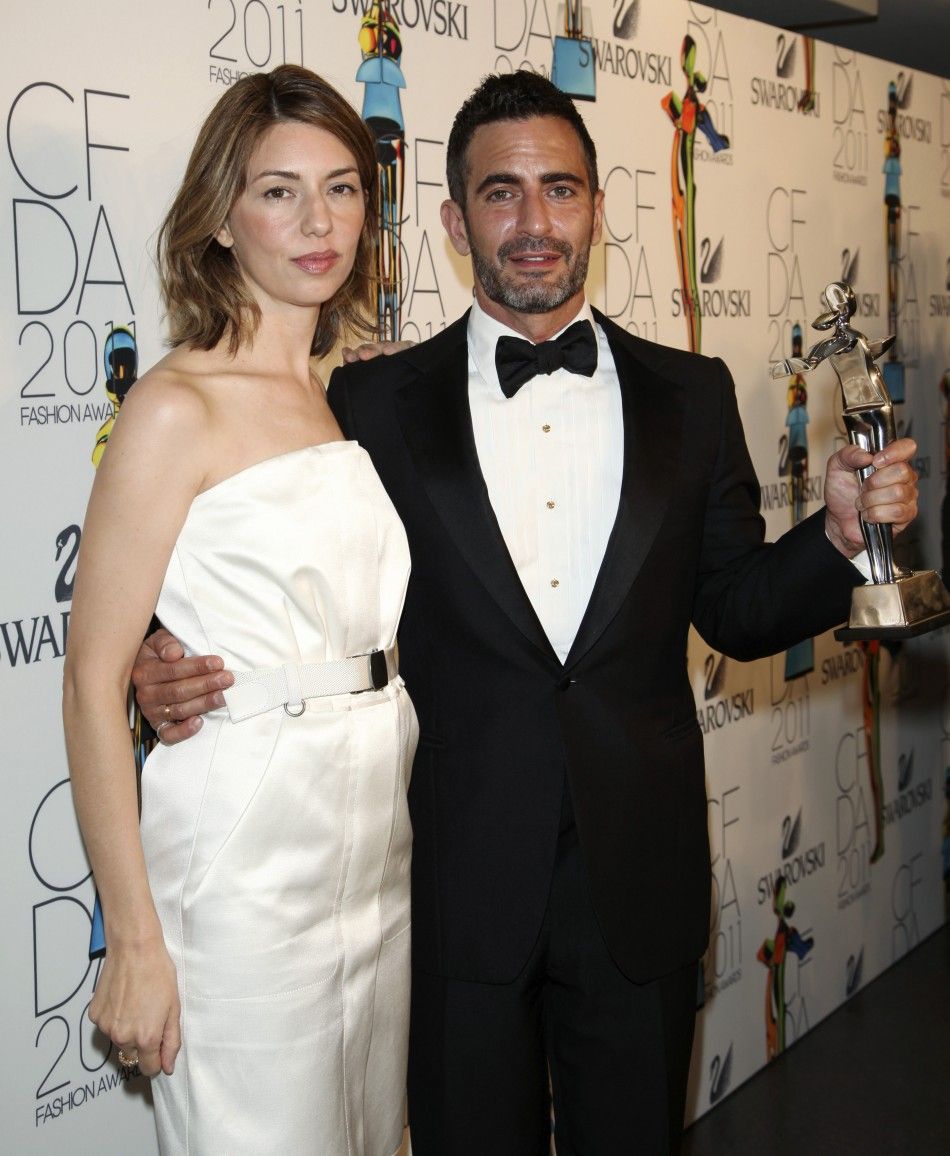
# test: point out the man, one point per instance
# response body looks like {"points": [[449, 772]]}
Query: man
{"points": [[565, 529]]}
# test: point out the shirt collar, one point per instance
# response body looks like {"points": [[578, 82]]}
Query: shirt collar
{"points": [[484, 331]]}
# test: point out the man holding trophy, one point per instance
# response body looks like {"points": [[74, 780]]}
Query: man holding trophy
{"points": [[574, 498]]}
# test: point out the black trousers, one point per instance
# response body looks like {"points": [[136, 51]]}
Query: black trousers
{"points": [[617, 1053]]}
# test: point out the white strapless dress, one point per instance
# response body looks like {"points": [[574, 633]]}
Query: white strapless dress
{"points": [[278, 847]]}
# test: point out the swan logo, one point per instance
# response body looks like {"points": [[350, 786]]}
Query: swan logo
{"points": [[710, 260], [720, 709], [626, 19], [792, 88], [43, 636], [720, 1075], [797, 864], [854, 973], [910, 796]]}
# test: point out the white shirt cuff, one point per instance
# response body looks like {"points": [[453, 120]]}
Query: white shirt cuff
{"points": [[862, 562]]}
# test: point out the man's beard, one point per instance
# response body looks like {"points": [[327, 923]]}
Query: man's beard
{"points": [[540, 296]]}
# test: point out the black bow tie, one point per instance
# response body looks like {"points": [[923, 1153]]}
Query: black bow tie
{"points": [[517, 361]]}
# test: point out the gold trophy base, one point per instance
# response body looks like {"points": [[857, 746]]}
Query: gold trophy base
{"points": [[914, 604]]}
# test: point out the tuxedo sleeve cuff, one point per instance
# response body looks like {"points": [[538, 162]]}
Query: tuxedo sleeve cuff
{"points": [[861, 562]]}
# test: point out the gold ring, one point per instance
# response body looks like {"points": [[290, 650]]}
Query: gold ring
{"points": [[128, 1063], [168, 712]]}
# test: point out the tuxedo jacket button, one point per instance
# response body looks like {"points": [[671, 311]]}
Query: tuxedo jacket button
{"points": [[565, 683]]}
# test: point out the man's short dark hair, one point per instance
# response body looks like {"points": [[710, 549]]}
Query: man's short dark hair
{"points": [[511, 96]]}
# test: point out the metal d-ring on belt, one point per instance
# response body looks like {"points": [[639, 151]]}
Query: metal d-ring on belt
{"points": [[290, 685]]}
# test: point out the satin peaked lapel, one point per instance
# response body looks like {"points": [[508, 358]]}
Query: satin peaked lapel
{"points": [[652, 430], [437, 424]]}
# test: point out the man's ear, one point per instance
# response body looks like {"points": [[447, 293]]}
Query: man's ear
{"points": [[453, 219], [597, 227]]}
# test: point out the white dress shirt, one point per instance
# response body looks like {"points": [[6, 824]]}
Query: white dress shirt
{"points": [[552, 459]]}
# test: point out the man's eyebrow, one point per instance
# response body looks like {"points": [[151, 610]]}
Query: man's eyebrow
{"points": [[564, 178], [554, 178], [497, 179]]}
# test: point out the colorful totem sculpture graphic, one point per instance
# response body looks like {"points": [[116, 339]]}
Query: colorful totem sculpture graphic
{"points": [[892, 368], [871, 707], [688, 115], [800, 658], [807, 101], [773, 954], [120, 361], [382, 78]]}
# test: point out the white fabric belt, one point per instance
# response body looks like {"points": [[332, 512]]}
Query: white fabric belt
{"points": [[290, 685]]}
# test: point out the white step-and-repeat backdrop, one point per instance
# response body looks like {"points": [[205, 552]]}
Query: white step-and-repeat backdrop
{"points": [[772, 156]]}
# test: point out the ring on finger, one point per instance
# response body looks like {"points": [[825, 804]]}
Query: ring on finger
{"points": [[167, 712], [128, 1063], [161, 726]]}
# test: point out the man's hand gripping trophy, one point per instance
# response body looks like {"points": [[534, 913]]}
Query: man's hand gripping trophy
{"points": [[897, 603]]}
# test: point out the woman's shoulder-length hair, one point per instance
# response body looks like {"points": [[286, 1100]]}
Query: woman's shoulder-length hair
{"points": [[203, 291]]}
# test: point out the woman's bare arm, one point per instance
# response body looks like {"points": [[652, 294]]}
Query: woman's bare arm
{"points": [[141, 495]]}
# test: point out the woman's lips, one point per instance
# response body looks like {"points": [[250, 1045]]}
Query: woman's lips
{"points": [[317, 262]]}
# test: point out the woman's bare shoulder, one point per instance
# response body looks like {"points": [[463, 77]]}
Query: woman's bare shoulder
{"points": [[184, 386]]}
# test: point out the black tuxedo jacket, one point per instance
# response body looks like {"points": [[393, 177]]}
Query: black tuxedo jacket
{"points": [[502, 720]]}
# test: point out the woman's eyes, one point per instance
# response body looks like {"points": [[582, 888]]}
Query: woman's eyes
{"points": [[282, 193]]}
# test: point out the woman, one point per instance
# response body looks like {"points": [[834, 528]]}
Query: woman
{"points": [[258, 927]]}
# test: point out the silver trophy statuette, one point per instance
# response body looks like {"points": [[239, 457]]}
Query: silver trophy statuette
{"points": [[896, 603]]}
